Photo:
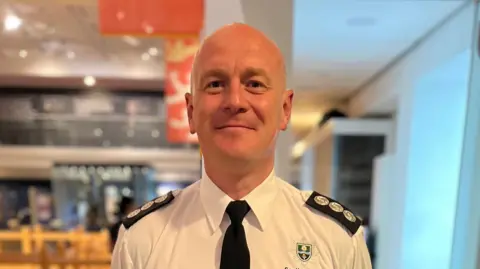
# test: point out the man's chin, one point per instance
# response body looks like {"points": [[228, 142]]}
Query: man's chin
{"points": [[236, 152]]}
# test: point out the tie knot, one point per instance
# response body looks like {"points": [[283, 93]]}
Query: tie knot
{"points": [[237, 210]]}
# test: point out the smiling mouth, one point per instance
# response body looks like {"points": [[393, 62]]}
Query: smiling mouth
{"points": [[235, 127]]}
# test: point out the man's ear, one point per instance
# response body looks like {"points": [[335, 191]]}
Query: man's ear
{"points": [[189, 102], [286, 109]]}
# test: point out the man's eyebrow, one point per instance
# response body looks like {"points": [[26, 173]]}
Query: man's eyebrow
{"points": [[216, 72], [219, 73], [251, 72], [247, 73]]}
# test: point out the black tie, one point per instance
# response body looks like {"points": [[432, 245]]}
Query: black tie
{"points": [[235, 254]]}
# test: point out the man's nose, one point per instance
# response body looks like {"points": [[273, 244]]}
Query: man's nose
{"points": [[234, 98]]}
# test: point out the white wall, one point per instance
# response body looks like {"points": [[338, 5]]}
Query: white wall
{"points": [[427, 152]]}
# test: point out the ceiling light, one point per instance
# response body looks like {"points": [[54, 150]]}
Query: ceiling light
{"points": [[71, 55], [12, 23], [145, 56], [298, 149], [89, 81], [153, 51], [23, 53], [130, 40], [98, 132]]}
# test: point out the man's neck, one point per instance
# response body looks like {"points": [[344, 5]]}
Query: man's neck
{"points": [[240, 179]]}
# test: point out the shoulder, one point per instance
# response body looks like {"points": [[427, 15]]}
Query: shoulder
{"points": [[321, 205], [142, 228], [158, 211], [148, 208], [332, 209]]}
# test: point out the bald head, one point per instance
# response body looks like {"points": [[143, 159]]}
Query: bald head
{"points": [[242, 40], [239, 101]]}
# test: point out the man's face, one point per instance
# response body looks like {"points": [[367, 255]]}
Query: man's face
{"points": [[239, 100]]}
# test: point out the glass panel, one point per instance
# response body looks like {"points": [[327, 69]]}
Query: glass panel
{"points": [[83, 120]]}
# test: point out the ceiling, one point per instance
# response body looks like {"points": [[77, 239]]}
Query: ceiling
{"points": [[61, 39], [338, 46]]}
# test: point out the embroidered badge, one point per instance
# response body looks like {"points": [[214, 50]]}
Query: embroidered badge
{"points": [[304, 251]]}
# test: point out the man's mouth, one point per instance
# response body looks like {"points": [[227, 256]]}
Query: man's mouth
{"points": [[235, 126]]}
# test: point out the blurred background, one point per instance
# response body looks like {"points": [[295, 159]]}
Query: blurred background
{"points": [[386, 119]]}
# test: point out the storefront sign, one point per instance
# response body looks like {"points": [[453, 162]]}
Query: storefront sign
{"points": [[151, 17]]}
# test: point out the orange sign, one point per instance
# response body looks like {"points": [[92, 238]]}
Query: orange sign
{"points": [[151, 17], [179, 55]]}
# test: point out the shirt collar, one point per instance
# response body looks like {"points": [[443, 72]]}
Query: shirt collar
{"points": [[215, 201]]}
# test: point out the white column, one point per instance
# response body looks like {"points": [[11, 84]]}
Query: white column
{"points": [[307, 169], [381, 212], [466, 245], [429, 154]]}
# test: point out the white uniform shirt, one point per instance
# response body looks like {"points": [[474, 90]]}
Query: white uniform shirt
{"points": [[282, 231]]}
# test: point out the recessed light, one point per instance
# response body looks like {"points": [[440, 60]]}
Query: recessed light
{"points": [[153, 51], [12, 23], [89, 81], [23, 53], [98, 132]]}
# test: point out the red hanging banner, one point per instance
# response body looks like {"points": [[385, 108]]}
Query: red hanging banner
{"points": [[179, 55], [151, 17]]}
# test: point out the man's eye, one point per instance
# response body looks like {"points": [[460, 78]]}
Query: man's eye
{"points": [[215, 84], [254, 84]]}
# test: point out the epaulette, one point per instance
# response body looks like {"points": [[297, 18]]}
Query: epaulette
{"points": [[148, 208], [335, 210]]}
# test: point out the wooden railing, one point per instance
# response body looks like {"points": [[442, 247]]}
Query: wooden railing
{"points": [[34, 248]]}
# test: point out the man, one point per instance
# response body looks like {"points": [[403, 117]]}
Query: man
{"points": [[240, 215]]}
